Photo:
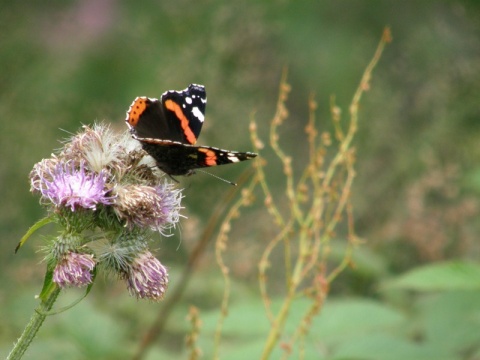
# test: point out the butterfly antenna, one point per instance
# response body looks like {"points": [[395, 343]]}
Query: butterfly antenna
{"points": [[218, 177], [171, 177]]}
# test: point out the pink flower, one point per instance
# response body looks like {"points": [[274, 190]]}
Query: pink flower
{"points": [[74, 270], [63, 185], [146, 277], [149, 207]]}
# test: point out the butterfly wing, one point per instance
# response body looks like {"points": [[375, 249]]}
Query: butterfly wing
{"points": [[175, 158], [178, 116], [185, 110]]}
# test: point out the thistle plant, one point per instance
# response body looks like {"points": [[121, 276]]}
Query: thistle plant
{"points": [[107, 200]]}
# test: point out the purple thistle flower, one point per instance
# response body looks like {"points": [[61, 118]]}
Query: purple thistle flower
{"points": [[146, 277], [74, 270], [151, 207], [170, 203], [66, 186], [40, 169]]}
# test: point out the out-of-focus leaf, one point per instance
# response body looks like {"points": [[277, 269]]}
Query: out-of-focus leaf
{"points": [[93, 331], [387, 347], [441, 276], [344, 320], [339, 322], [452, 320], [472, 179], [366, 262]]}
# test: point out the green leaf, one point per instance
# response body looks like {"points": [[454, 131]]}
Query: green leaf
{"points": [[472, 179], [367, 262], [387, 347], [48, 285], [38, 225], [343, 320], [451, 320], [441, 276]]}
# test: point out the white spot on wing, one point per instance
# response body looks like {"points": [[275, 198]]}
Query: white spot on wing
{"points": [[188, 100], [198, 114], [233, 158]]}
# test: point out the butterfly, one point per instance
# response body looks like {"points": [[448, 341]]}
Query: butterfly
{"points": [[168, 130]]}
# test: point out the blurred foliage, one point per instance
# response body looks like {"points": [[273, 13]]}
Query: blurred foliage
{"points": [[415, 195]]}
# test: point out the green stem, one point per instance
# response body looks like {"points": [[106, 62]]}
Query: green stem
{"points": [[277, 326], [34, 324]]}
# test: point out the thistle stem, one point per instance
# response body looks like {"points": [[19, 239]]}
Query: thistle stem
{"points": [[33, 325]]}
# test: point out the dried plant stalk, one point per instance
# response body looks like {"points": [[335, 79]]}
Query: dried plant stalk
{"points": [[318, 202]]}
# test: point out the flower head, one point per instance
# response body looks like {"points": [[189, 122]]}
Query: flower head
{"points": [[100, 148], [154, 207], [146, 277], [116, 253], [64, 185], [74, 269]]}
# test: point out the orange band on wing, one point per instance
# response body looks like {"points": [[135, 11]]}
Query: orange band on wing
{"points": [[173, 106], [210, 157], [136, 109]]}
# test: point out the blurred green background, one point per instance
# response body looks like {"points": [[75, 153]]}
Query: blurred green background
{"points": [[68, 63]]}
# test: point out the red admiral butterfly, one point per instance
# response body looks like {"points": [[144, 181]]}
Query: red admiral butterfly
{"points": [[169, 128]]}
